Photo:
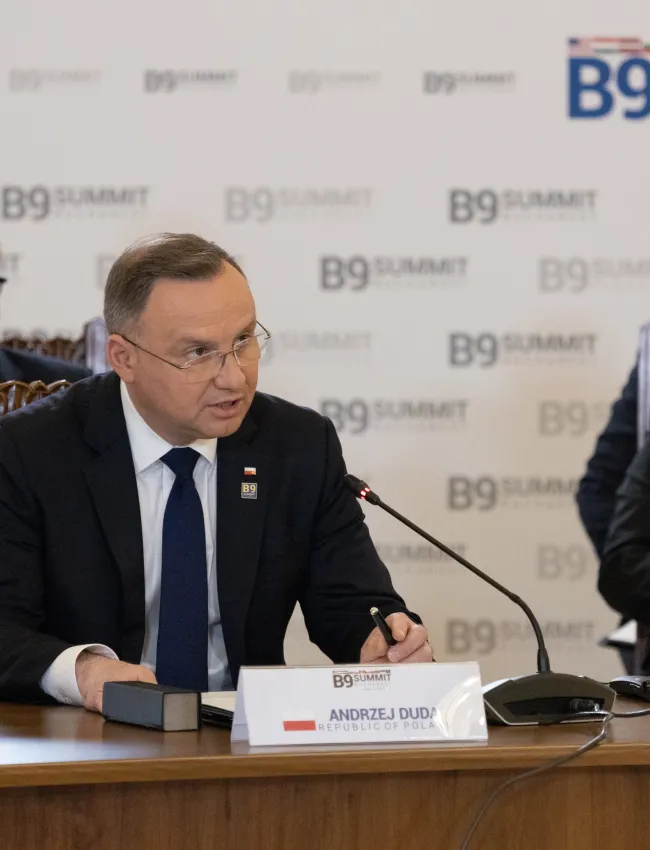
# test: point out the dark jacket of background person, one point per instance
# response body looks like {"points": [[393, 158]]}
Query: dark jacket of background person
{"points": [[25, 366], [614, 452], [625, 568], [606, 469]]}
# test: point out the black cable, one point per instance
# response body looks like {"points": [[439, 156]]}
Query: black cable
{"points": [[641, 713], [528, 774], [607, 717]]}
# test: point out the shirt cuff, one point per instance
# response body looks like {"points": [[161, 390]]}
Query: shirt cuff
{"points": [[60, 678]]}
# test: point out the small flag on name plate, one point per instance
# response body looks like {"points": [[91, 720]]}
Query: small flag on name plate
{"points": [[250, 470], [299, 723]]}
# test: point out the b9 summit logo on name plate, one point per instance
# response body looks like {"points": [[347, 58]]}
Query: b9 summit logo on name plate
{"points": [[374, 679], [609, 74]]}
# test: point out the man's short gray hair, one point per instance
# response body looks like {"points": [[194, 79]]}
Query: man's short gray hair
{"points": [[176, 256]]}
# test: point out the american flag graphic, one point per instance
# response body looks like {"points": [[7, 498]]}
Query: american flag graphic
{"points": [[604, 45]]}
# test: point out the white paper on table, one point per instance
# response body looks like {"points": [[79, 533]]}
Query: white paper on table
{"points": [[220, 699], [623, 636]]}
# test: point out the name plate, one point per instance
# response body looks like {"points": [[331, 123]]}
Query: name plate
{"points": [[359, 704]]}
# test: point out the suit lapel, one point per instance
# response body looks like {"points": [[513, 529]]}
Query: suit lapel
{"points": [[240, 524], [112, 486]]}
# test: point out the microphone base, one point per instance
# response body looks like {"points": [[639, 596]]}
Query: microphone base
{"points": [[542, 699]]}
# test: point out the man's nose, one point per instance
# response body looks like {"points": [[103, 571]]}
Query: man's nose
{"points": [[231, 375]]}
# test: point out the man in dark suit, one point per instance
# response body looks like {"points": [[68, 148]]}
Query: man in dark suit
{"points": [[624, 579], [117, 494], [25, 366], [614, 452], [606, 469]]}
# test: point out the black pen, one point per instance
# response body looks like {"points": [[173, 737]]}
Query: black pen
{"points": [[382, 625]]}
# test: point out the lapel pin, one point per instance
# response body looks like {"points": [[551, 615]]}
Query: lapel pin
{"points": [[248, 490], [250, 470]]}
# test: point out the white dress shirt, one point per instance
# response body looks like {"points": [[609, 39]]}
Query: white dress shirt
{"points": [[154, 480]]}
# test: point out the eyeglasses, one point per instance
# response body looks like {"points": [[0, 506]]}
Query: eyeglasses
{"points": [[205, 367]]}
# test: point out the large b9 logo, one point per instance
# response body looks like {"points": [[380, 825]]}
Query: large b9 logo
{"points": [[466, 207], [242, 204], [339, 272], [591, 76], [159, 81], [556, 275], [19, 203], [571, 418], [463, 494], [467, 350], [477, 637], [568, 563], [352, 416]]}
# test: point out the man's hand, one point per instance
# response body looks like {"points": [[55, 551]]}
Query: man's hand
{"points": [[93, 671], [412, 643]]}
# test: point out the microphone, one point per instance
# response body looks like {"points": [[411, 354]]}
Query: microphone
{"points": [[542, 698]]}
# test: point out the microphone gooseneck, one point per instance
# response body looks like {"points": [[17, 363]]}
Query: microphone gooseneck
{"points": [[543, 698], [362, 491]]}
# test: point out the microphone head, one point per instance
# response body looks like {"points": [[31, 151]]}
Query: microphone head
{"points": [[361, 489]]}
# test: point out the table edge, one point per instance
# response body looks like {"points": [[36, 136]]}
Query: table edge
{"points": [[270, 766]]}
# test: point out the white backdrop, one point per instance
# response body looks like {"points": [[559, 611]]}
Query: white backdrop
{"points": [[466, 345]]}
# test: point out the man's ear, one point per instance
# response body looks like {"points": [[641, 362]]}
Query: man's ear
{"points": [[121, 356]]}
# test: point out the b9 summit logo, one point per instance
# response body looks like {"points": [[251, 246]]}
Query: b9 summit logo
{"points": [[37, 203], [603, 71], [376, 679], [18, 202], [487, 206], [485, 493], [355, 416], [516, 348]]}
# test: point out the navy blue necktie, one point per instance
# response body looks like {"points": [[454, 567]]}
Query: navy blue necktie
{"points": [[182, 656]]}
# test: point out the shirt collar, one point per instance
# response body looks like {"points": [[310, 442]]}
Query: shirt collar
{"points": [[146, 446]]}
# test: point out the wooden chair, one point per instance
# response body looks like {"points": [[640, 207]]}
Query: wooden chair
{"points": [[65, 349], [16, 394], [89, 350]]}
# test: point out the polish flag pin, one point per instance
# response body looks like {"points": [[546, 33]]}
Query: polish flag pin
{"points": [[250, 470]]}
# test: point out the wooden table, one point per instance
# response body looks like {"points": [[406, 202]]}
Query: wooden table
{"points": [[70, 781]]}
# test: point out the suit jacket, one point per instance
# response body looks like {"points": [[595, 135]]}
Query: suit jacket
{"points": [[596, 496], [25, 366], [71, 561], [624, 579], [614, 452]]}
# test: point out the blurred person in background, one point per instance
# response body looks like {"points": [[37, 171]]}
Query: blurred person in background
{"points": [[624, 578], [615, 450], [27, 366]]}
